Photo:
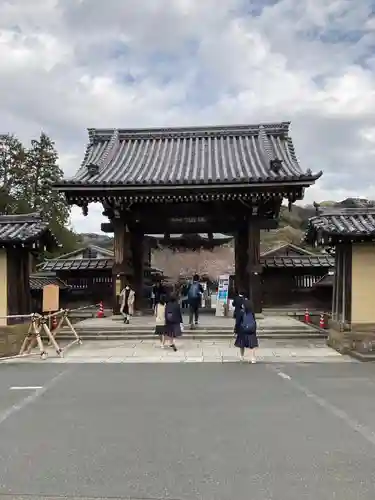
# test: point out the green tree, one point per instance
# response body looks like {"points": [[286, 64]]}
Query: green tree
{"points": [[12, 170], [42, 171]]}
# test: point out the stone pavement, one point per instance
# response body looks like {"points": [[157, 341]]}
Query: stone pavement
{"points": [[190, 351], [205, 321]]}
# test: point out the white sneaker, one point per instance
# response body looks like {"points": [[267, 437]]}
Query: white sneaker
{"points": [[242, 358], [253, 361]]}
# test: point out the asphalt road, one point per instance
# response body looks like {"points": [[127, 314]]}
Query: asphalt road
{"points": [[187, 432]]}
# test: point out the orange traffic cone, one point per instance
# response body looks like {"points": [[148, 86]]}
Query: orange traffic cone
{"points": [[101, 310], [54, 323], [307, 316], [321, 322]]}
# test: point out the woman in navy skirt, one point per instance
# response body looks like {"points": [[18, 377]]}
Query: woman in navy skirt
{"points": [[173, 320], [246, 330]]}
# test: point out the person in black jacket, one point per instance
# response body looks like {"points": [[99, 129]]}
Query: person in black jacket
{"points": [[173, 320], [238, 304]]}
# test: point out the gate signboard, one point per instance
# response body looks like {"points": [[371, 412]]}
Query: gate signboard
{"points": [[222, 295]]}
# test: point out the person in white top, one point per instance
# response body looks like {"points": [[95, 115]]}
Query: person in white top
{"points": [[127, 297], [160, 320]]}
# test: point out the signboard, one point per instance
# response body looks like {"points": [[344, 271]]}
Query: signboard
{"points": [[222, 295], [118, 286], [51, 298]]}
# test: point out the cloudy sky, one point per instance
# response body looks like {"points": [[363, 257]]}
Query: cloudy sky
{"points": [[71, 64]]}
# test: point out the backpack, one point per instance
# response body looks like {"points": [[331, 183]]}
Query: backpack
{"points": [[248, 324], [169, 316], [194, 291]]}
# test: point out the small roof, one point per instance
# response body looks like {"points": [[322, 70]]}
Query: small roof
{"points": [[38, 282], [284, 248], [239, 154], [25, 229], [298, 261], [62, 264], [326, 281], [104, 251], [332, 225]]}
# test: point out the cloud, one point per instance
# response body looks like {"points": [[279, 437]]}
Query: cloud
{"points": [[72, 64]]}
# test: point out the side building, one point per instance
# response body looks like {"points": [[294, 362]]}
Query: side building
{"points": [[21, 238], [351, 234]]}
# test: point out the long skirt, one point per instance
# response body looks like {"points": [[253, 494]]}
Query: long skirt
{"points": [[160, 330], [173, 330], [246, 340]]}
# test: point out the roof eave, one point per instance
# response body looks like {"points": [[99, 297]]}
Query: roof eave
{"points": [[302, 181]]}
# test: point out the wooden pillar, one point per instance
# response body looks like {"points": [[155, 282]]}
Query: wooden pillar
{"points": [[334, 292], [254, 267], [138, 250], [121, 250], [241, 243]]}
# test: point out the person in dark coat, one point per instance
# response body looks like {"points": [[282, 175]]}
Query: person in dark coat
{"points": [[158, 291], [173, 320], [194, 296], [246, 331], [238, 304]]}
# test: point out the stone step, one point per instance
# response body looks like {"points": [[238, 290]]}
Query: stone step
{"points": [[192, 334], [201, 329]]}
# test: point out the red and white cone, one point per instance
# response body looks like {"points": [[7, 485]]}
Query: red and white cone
{"points": [[101, 310], [307, 316], [321, 322], [54, 323]]}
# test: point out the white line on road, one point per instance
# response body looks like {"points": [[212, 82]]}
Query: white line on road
{"points": [[356, 426], [26, 388], [4, 415]]}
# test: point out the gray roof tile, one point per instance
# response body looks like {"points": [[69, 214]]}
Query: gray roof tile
{"points": [[299, 261], [24, 229], [77, 264], [332, 224], [37, 282], [193, 155]]}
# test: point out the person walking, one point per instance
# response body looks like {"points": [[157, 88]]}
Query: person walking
{"points": [[194, 297], [173, 320], [238, 303], [160, 320], [127, 297], [246, 331], [157, 290]]}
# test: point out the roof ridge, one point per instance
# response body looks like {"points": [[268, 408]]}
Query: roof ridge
{"points": [[31, 217], [272, 127]]}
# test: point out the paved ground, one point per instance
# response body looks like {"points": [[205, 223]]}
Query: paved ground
{"points": [[185, 432], [205, 320], [190, 351]]}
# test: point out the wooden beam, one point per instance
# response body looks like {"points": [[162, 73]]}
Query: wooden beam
{"points": [[160, 226]]}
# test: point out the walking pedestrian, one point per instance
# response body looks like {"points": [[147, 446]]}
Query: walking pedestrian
{"points": [[160, 320], [194, 296], [173, 320], [238, 304], [127, 297], [246, 331], [158, 290]]}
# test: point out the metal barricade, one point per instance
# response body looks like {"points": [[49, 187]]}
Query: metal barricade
{"points": [[39, 329]]}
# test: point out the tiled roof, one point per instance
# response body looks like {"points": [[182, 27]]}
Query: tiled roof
{"points": [[191, 155], [76, 264], [331, 225], [24, 229], [300, 261], [37, 282]]}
